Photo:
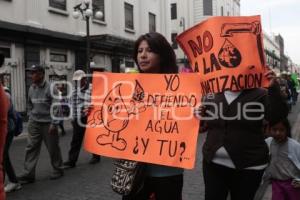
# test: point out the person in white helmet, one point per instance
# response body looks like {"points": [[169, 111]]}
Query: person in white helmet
{"points": [[81, 95]]}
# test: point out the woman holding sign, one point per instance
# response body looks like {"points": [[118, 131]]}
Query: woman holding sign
{"points": [[153, 54], [235, 153]]}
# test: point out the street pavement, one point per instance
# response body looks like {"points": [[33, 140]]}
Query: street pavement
{"points": [[85, 182], [92, 182]]}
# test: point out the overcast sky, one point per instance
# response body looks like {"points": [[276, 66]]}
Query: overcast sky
{"points": [[278, 16]]}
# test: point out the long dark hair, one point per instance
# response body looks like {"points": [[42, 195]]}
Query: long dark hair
{"points": [[285, 123], [159, 45]]}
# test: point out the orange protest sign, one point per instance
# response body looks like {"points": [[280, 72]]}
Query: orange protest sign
{"points": [[227, 52], [145, 117]]}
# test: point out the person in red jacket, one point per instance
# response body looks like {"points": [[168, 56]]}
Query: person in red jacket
{"points": [[3, 129]]}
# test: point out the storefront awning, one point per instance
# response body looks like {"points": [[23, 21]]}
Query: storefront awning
{"points": [[115, 44]]}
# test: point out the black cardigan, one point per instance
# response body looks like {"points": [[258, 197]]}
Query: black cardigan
{"points": [[243, 139]]}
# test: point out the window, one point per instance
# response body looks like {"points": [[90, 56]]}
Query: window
{"points": [[129, 16], [58, 56], [59, 4], [174, 42], [173, 11], [5, 51], [152, 23], [98, 5], [207, 7], [222, 11], [228, 13]]}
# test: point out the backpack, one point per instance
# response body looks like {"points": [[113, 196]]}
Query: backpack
{"points": [[15, 122], [18, 124], [128, 177]]}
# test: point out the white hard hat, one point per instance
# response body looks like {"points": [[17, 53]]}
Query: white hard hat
{"points": [[78, 75]]}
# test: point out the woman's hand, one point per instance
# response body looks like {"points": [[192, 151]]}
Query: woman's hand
{"points": [[200, 111]]}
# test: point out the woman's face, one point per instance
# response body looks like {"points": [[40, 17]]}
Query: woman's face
{"points": [[148, 61], [278, 132]]}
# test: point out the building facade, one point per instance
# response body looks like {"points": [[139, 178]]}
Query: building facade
{"points": [[272, 52], [283, 58], [44, 32], [185, 14]]}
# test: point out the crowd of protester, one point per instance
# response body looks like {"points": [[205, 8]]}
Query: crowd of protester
{"points": [[289, 87], [236, 155]]}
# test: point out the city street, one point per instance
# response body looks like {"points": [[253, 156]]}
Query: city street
{"points": [[92, 182], [85, 182], [133, 55]]}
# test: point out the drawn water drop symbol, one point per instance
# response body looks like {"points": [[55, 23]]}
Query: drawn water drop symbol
{"points": [[139, 93], [114, 113], [229, 56]]}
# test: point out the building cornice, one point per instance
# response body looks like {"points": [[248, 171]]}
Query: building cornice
{"points": [[33, 30], [110, 44]]}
